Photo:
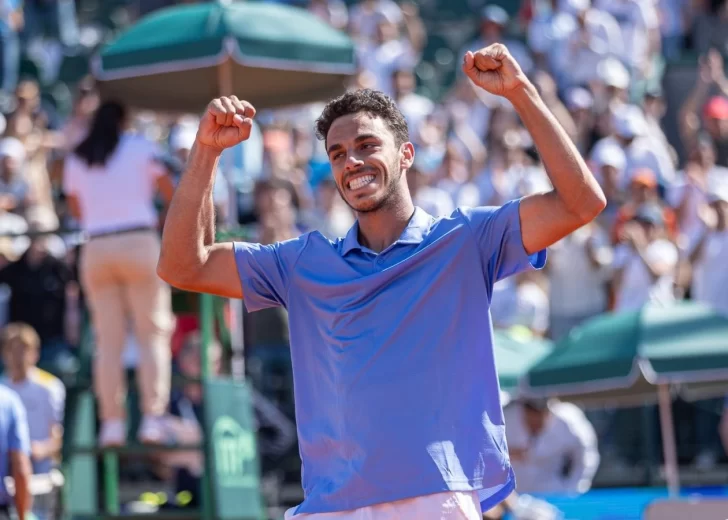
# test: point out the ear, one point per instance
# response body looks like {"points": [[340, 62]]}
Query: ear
{"points": [[407, 156]]}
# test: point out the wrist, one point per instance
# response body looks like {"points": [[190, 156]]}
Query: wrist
{"points": [[522, 96], [206, 151]]}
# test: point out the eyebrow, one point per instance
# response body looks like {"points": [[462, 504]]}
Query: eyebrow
{"points": [[358, 139]]}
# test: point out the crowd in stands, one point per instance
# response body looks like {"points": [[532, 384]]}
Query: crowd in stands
{"points": [[598, 64]]}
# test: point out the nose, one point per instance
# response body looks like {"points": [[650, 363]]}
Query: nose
{"points": [[352, 163]]}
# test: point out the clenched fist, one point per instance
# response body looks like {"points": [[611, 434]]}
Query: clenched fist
{"points": [[226, 122], [494, 70]]}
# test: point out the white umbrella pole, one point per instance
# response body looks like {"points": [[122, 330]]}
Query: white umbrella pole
{"points": [[669, 448], [225, 84]]}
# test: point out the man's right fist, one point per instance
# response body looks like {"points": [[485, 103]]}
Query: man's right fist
{"points": [[226, 123]]}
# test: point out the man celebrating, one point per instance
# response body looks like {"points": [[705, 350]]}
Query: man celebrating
{"points": [[397, 398]]}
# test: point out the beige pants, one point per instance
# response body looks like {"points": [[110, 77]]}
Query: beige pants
{"points": [[118, 274]]}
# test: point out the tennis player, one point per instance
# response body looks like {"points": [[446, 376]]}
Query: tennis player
{"points": [[397, 399]]}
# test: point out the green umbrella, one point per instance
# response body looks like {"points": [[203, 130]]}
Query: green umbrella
{"points": [[182, 57], [619, 359], [514, 356], [627, 358]]}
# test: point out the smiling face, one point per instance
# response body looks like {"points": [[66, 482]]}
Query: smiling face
{"points": [[367, 162]]}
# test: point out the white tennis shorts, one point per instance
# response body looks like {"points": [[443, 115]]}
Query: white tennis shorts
{"points": [[451, 505]]}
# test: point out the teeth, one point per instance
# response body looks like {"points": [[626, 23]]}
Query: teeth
{"points": [[360, 182]]}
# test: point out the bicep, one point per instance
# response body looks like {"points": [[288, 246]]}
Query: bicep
{"points": [[544, 221], [20, 464], [216, 275]]}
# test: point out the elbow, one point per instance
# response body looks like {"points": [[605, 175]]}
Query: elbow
{"points": [[592, 203], [177, 274]]}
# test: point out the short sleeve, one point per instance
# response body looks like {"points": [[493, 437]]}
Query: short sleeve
{"points": [[18, 434], [265, 271], [497, 233]]}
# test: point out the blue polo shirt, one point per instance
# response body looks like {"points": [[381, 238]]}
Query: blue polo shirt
{"points": [[395, 383], [14, 435]]}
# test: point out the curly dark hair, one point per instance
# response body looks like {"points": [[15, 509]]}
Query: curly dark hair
{"points": [[372, 102]]}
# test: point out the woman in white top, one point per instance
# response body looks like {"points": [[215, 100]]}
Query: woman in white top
{"points": [[111, 180]]}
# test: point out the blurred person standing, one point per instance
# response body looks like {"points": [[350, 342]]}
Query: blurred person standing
{"points": [[14, 456], [709, 251], [43, 397], [110, 181], [14, 189], [552, 445], [645, 262], [578, 272], [391, 50], [43, 294], [705, 110], [494, 22], [11, 23]]}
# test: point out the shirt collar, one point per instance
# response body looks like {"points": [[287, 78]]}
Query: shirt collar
{"points": [[414, 233]]}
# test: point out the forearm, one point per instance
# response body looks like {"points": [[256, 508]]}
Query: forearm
{"points": [[23, 499], [573, 183], [189, 228]]}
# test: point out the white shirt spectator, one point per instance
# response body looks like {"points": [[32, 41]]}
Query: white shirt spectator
{"points": [[44, 398], [365, 17], [577, 55], [568, 438], [637, 287], [118, 196], [636, 18], [577, 287], [520, 305], [710, 276], [382, 60]]}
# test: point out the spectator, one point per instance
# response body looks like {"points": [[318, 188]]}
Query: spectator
{"points": [[14, 189], [14, 455], [710, 276], [643, 190], [645, 261], [493, 24], [552, 445], [521, 303], [43, 291], [714, 117], [11, 23], [42, 395], [390, 51], [579, 270], [110, 181]]}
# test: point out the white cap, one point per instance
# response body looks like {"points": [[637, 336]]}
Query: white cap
{"points": [[613, 73], [629, 121], [182, 137], [574, 7], [579, 98], [609, 154], [12, 147]]}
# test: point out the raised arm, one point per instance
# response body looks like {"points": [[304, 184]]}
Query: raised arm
{"points": [[576, 198], [190, 259]]}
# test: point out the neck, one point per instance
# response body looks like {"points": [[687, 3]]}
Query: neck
{"points": [[18, 376], [380, 229]]}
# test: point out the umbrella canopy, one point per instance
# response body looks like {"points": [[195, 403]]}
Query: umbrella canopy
{"points": [[182, 57], [514, 356], [617, 359]]}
